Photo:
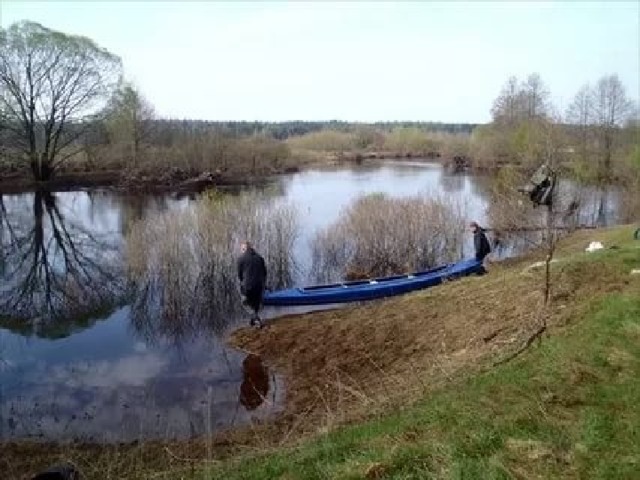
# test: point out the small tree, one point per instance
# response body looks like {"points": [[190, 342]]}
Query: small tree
{"points": [[507, 107], [580, 115], [540, 224], [51, 85], [611, 108], [536, 97], [517, 113], [130, 119]]}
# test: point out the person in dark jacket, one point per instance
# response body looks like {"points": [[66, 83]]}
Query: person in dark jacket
{"points": [[480, 243], [252, 273]]}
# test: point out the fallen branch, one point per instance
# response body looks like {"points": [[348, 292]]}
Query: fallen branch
{"points": [[526, 345]]}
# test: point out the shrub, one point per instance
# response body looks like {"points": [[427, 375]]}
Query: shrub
{"points": [[183, 263], [379, 235]]}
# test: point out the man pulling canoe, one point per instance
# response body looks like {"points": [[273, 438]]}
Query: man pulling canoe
{"points": [[252, 273], [480, 243]]}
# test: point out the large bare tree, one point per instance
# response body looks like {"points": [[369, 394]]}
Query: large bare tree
{"points": [[51, 84]]}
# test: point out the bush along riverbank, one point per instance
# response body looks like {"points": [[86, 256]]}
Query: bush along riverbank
{"points": [[418, 386]]}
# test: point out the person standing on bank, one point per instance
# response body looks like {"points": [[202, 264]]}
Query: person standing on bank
{"points": [[252, 273], [480, 243]]}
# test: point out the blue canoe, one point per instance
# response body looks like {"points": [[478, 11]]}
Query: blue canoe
{"points": [[361, 290]]}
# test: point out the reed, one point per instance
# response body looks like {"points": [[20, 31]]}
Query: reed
{"points": [[182, 263], [379, 235]]}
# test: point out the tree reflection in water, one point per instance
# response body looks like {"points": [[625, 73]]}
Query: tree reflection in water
{"points": [[53, 268]]}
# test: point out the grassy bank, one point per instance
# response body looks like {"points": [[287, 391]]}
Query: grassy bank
{"points": [[565, 409], [409, 387]]}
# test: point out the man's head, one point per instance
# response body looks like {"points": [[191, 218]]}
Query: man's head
{"points": [[245, 246], [474, 227]]}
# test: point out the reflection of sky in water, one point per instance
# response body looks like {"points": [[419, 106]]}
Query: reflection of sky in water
{"points": [[104, 384], [110, 380]]}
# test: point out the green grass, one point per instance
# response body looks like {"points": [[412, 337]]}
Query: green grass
{"points": [[567, 408]]}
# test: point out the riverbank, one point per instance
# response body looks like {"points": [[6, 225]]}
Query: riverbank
{"points": [[408, 386], [423, 368], [170, 181], [182, 180]]}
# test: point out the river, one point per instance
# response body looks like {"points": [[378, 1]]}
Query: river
{"points": [[107, 376]]}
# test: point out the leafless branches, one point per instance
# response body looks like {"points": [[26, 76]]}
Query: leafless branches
{"points": [[53, 269], [50, 85]]}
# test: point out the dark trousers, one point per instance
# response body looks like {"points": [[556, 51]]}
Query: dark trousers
{"points": [[481, 269], [253, 299]]}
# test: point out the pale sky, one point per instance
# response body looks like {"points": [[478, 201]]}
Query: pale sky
{"points": [[354, 61]]}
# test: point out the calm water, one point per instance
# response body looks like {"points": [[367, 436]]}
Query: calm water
{"points": [[110, 375]]}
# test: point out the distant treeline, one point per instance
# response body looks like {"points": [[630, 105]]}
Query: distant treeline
{"points": [[285, 130], [165, 131]]}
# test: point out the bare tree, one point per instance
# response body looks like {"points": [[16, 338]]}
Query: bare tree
{"points": [[535, 96], [521, 101], [581, 114], [130, 119], [611, 108], [507, 107], [50, 86], [4, 135], [540, 224]]}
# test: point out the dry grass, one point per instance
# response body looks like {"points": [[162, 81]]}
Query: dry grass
{"points": [[325, 141], [379, 235], [182, 262], [378, 351]]}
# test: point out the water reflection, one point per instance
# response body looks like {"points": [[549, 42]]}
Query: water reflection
{"points": [[255, 383], [53, 268], [104, 385], [451, 182]]}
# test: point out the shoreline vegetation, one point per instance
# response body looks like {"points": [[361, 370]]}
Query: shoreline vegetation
{"points": [[76, 123], [217, 156], [424, 391]]}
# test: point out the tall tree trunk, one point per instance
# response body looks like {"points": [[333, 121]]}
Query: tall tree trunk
{"points": [[35, 165], [607, 154], [40, 166]]}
